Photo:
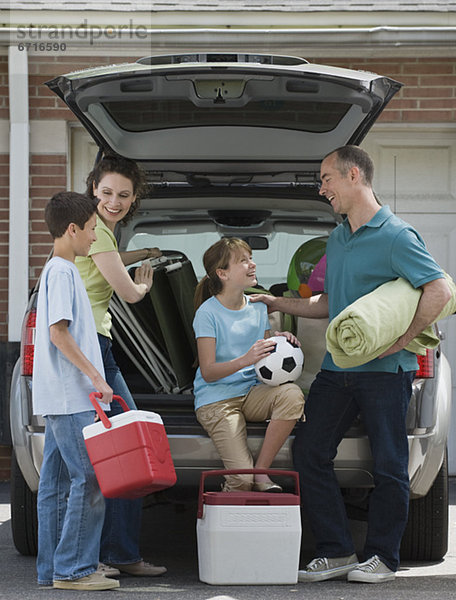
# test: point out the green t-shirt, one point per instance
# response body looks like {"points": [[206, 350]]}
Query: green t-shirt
{"points": [[98, 289]]}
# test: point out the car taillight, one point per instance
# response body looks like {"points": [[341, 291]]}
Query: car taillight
{"points": [[425, 365], [28, 343]]}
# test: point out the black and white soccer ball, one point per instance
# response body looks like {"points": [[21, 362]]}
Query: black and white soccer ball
{"points": [[282, 365]]}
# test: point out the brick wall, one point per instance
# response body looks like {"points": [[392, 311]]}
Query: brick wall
{"points": [[428, 96], [429, 92]]}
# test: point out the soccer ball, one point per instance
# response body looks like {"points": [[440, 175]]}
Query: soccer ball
{"points": [[282, 365]]}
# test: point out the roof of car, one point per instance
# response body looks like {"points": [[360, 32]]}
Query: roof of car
{"points": [[238, 5]]}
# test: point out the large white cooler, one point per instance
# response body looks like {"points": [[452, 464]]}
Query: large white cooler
{"points": [[248, 537]]}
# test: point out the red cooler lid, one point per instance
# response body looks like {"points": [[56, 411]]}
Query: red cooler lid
{"points": [[250, 499]]}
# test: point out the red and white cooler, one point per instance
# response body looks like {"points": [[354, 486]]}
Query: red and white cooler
{"points": [[129, 452], [248, 537]]}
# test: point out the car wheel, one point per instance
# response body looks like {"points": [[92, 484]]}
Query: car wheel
{"points": [[24, 520], [426, 535]]}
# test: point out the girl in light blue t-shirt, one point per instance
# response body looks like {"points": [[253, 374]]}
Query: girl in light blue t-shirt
{"points": [[232, 335]]}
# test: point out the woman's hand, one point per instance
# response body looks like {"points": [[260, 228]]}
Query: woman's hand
{"points": [[144, 274], [290, 337], [153, 253]]}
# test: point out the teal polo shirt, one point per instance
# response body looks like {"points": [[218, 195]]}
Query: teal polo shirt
{"points": [[382, 250]]}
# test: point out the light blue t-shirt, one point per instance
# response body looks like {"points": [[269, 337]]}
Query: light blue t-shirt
{"points": [[59, 387], [382, 250], [235, 332]]}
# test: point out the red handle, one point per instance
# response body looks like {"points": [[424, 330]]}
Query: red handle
{"points": [[100, 412], [206, 474]]}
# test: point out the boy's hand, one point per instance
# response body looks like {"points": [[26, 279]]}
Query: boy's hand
{"points": [[105, 390], [290, 337]]}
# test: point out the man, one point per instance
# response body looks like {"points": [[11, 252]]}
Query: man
{"points": [[371, 246]]}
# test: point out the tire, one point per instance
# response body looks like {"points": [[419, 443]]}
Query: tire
{"points": [[24, 520], [426, 534]]}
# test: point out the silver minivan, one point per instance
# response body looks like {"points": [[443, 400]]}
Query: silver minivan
{"points": [[232, 145]]}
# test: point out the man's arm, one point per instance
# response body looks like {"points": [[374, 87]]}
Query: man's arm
{"points": [[435, 295], [315, 307], [65, 342]]}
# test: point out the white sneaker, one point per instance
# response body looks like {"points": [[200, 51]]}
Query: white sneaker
{"points": [[94, 581], [371, 571], [320, 569]]}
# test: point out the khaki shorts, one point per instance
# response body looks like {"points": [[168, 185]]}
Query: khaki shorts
{"points": [[225, 422]]}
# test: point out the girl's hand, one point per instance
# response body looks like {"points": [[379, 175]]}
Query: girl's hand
{"points": [[259, 350], [144, 274], [290, 337]]}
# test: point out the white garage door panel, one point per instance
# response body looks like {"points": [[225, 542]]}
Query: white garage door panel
{"points": [[415, 167], [415, 173]]}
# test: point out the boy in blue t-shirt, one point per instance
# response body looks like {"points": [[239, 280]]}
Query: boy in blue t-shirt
{"points": [[67, 368]]}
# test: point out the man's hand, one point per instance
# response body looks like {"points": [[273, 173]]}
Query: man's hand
{"points": [[266, 299]]}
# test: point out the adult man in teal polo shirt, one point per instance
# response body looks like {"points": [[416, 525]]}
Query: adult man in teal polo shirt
{"points": [[371, 246]]}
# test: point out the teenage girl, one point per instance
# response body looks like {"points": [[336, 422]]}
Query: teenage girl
{"points": [[232, 335]]}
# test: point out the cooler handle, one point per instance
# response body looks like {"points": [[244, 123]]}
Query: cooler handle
{"points": [[100, 412], [206, 474]]}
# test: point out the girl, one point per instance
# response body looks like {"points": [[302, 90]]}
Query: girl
{"points": [[117, 182], [232, 334]]}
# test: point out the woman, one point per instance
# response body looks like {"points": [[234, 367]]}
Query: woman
{"points": [[117, 183], [232, 335]]}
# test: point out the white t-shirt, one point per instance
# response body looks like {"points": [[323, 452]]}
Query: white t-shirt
{"points": [[59, 387]]}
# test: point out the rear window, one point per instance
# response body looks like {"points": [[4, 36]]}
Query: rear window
{"points": [[302, 115], [272, 263]]}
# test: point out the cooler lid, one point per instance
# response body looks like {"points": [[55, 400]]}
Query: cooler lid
{"points": [[250, 499], [121, 420]]}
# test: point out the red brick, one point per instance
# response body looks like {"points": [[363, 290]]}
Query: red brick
{"points": [[432, 116], [438, 104], [41, 102], [47, 169], [438, 80], [428, 92], [42, 180], [434, 68], [48, 159]]}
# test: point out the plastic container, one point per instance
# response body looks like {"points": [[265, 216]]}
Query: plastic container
{"points": [[248, 537], [129, 452]]}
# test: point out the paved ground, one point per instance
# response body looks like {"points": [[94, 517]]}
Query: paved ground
{"points": [[169, 538]]}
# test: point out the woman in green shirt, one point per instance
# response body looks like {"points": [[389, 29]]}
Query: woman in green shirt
{"points": [[117, 183]]}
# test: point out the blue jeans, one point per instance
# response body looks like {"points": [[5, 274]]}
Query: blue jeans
{"points": [[335, 399], [70, 504], [122, 524]]}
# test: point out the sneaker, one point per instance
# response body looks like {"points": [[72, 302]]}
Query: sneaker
{"points": [[94, 581], [320, 569], [141, 569], [371, 571], [107, 571]]}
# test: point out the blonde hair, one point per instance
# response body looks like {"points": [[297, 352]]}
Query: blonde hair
{"points": [[216, 257]]}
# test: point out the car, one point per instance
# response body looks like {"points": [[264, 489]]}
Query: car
{"points": [[231, 145]]}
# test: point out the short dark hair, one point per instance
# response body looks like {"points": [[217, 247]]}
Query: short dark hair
{"points": [[65, 208], [353, 156], [114, 163]]}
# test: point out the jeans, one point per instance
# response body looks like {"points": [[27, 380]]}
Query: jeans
{"points": [[70, 504], [335, 399], [122, 524]]}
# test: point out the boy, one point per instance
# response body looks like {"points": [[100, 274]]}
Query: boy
{"points": [[67, 368]]}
